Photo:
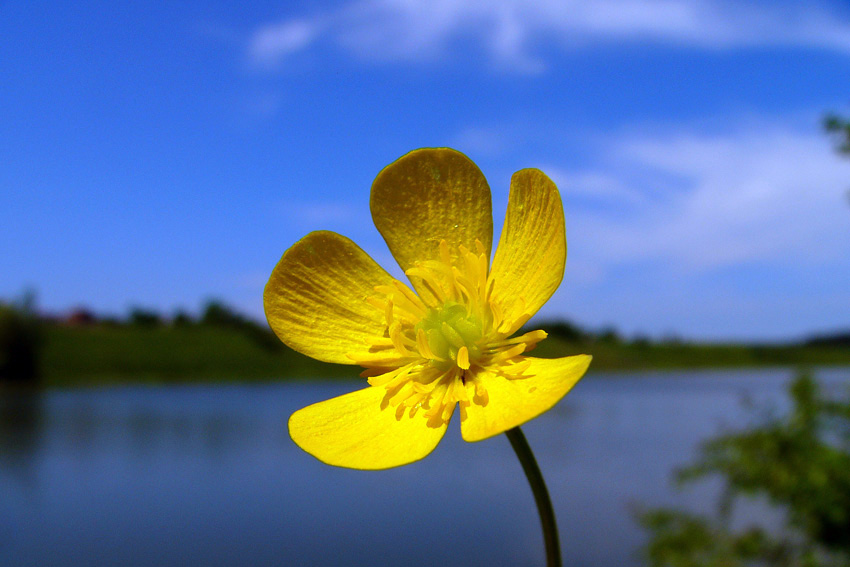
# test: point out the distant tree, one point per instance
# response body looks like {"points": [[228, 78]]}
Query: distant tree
{"points": [[110, 321], [20, 342], [672, 339], [217, 313], [80, 316], [839, 127], [609, 335], [563, 330], [145, 317], [181, 319], [799, 463], [839, 339]]}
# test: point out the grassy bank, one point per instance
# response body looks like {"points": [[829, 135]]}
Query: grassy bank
{"points": [[102, 354], [108, 354], [640, 356]]}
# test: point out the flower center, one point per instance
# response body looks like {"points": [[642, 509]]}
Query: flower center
{"points": [[452, 335], [438, 343]]}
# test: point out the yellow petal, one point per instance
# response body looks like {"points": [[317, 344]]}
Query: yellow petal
{"points": [[529, 263], [315, 299], [353, 431], [430, 195], [513, 402]]}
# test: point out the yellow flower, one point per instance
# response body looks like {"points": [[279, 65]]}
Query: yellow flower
{"points": [[444, 345]]}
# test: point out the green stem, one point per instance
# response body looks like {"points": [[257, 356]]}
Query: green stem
{"points": [[541, 495]]}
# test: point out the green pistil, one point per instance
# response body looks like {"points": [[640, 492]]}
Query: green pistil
{"points": [[448, 329]]}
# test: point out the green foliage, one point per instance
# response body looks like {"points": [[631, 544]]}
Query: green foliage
{"points": [[685, 540], [613, 352], [799, 463], [20, 344], [181, 319], [145, 317], [840, 128], [108, 354], [643, 354], [841, 339], [222, 344], [564, 330], [217, 314]]}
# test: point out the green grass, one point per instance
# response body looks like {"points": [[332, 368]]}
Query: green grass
{"points": [[104, 354], [108, 354], [640, 356]]}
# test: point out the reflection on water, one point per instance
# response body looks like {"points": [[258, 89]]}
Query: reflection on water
{"points": [[207, 475], [21, 427]]}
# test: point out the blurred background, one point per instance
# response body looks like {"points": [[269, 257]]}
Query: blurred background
{"points": [[162, 155], [156, 160]]}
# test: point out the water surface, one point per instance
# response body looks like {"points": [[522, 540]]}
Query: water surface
{"points": [[207, 475]]}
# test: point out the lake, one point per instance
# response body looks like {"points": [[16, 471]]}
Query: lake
{"points": [[207, 475]]}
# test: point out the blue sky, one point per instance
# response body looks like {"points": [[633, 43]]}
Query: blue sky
{"points": [[160, 155]]}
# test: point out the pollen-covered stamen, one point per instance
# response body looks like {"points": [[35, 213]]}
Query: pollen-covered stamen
{"points": [[463, 358], [391, 378], [400, 341], [462, 279], [405, 307], [529, 339], [437, 349], [424, 346]]}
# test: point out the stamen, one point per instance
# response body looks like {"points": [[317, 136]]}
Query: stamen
{"points": [[508, 354], [414, 300], [482, 277], [530, 338], [403, 392], [422, 345], [518, 369], [463, 358], [435, 400], [521, 320], [388, 313], [387, 377], [398, 339], [401, 296], [496, 310], [428, 282], [384, 358], [437, 350], [472, 264]]}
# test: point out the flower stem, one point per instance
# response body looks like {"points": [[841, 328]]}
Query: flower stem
{"points": [[541, 495]]}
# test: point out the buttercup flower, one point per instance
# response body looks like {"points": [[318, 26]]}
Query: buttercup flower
{"points": [[444, 344]]}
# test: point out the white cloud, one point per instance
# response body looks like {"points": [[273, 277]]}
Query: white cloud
{"points": [[510, 31], [763, 194], [596, 187], [732, 232], [270, 44]]}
